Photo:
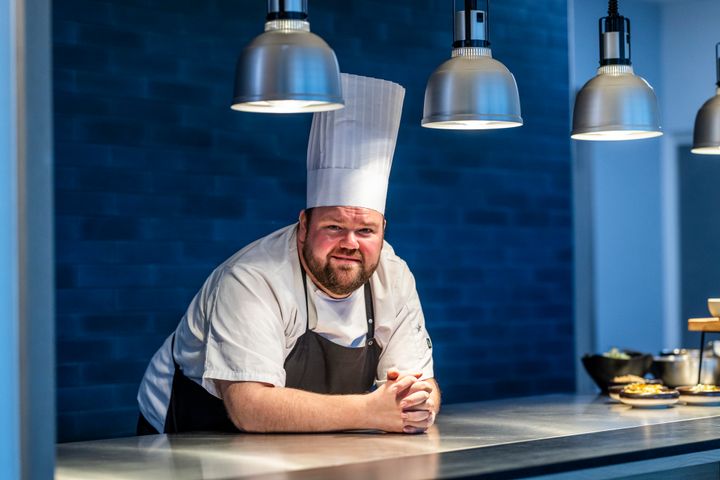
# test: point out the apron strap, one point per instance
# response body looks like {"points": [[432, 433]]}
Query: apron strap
{"points": [[171, 418], [369, 314], [307, 308], [172, 352]]}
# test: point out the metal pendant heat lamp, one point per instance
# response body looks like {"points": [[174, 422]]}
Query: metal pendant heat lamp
{"points": [[706, 136], [616, 104], [287, 69], [471, 91]]}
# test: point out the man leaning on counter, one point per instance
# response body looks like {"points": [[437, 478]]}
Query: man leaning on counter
{"points": [[317, 326]]}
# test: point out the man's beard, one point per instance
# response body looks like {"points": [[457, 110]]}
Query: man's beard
{"points": [[341, 280]]}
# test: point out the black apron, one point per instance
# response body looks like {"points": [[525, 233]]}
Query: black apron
{"points": [[315, 364]]}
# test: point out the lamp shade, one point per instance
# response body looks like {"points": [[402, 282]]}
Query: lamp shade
{"points": [[706, 136], [287, 69], [471, 91], [616, 104]]}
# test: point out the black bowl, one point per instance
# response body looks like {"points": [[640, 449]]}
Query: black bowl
{"points": [[603, 369]]}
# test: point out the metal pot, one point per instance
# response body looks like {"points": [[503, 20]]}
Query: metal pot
{"points": [[680, 367]]}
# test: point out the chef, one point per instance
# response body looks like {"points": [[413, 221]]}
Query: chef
{"points": [[317, 326]]}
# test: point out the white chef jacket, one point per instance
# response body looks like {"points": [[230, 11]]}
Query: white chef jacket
{"points": [[246, 318]]}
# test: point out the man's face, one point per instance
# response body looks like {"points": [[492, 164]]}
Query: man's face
{"points": [[340, 246]]}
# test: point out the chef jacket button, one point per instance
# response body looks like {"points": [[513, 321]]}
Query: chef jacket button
{"points": [[370, 320], [370, 342]]}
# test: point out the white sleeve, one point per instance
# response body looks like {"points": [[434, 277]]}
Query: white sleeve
{"points": [[409, 347], [246, 337]]}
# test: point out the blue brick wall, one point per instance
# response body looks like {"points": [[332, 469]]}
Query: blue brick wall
{"points": [[157, 181]]}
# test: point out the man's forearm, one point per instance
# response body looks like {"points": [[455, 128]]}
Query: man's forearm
{"points": [[254, 407]]}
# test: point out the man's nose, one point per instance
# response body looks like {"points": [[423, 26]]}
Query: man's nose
{"points": [[349, 241]]}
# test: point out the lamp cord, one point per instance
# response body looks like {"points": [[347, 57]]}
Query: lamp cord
{"points": [[487, 23], [613, 8], [717, 62]]}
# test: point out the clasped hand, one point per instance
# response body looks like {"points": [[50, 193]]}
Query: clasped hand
{"points": [[404, 403]]}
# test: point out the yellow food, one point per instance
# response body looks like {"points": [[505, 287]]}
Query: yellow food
{"points": [[644, 389], [628, 379], [705, 388]]}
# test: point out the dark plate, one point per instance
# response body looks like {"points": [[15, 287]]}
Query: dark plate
{"points": [[687, 390], [615, 389], [665, 394]]}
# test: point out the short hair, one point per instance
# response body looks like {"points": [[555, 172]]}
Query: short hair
{"points": [[308, 216]]}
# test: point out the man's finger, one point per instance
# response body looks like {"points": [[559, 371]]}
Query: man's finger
{"points": [[403, 384], [423, 423], [410, 416], [413, 430], [414, 399], [421, 385], [393, 374]]}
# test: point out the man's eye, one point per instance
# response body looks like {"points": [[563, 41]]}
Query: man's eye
{"points": [[334, 228], [365, 231]]}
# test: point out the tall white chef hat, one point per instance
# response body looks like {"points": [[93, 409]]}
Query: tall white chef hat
{"points": [[350, 150]]}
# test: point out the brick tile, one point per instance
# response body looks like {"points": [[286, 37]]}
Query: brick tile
{"points": [[84, 301], [110, 85], [85, 399], [83, 351], [116, 324], [155, 299]]}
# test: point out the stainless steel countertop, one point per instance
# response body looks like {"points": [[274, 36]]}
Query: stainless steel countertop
{"points": [[459, 427]]}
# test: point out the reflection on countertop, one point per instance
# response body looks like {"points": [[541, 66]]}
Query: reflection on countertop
{"points": [[459, 427]]}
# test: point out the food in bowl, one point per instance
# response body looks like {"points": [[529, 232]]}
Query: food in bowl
{"points": [[704, 388], [604, 368], [644, 389], [701, 394], [644, 395], [616, 353], [614, 390], [628, 379]]}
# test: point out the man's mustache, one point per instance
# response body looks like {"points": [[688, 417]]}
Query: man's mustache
{"points": [[350, 253]]}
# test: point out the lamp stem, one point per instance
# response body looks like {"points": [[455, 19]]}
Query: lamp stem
{"points": [[286, 10], [470, 5], [717, 63], [487, 23], [452, 19], [470, 26], [614, 37], [613, 8]]}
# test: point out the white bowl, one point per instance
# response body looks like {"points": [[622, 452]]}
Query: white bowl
{"points": [[714, 306]]}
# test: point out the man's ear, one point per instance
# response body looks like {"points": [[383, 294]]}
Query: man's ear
{"points": [[302, 227]]}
